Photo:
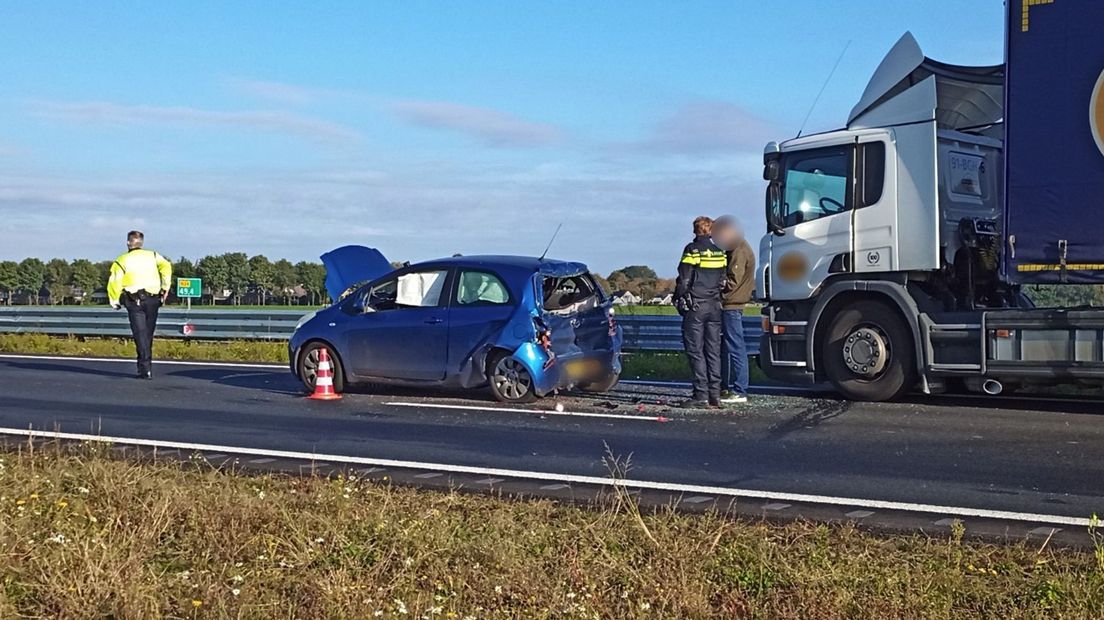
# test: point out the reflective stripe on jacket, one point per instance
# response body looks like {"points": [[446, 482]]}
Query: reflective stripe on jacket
{"points": [[701, 272], [138, 270]]}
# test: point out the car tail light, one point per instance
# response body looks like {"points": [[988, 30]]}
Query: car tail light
{"points": [[544, 339], [612, 322]]}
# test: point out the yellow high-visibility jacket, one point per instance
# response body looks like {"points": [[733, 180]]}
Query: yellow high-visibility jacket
{"points": [[138, 270]]}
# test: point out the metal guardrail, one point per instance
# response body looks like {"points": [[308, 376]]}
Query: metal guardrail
{"points": [[171, 322], [642, 332], [664, 332]]}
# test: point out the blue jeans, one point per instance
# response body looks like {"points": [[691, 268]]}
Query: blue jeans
{"points": [[735, 352]]}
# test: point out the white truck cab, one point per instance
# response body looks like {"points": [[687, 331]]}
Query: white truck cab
{"points": [[872, 226]]}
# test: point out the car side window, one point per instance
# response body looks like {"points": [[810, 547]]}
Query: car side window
{"points": [[382, 296], [481, 288], [418, 289]]}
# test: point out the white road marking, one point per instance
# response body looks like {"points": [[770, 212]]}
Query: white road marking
{"points": [[156, 363], [555, 487], [945, 522], [687, 489], [429, 475], [775, 506], [491, 481], [577, 414], [859, 514], [262, 461]]}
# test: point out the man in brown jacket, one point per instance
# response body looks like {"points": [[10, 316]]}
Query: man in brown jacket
{"points": [[738, 290]]}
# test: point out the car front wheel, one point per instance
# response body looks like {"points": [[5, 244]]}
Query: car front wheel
{"points": [[510, 380], [308, 366]]}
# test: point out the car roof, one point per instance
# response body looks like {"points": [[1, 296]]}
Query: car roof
{"points": [[547, 266]]}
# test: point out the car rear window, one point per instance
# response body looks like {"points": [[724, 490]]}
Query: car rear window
{"points": [[570, 294]]}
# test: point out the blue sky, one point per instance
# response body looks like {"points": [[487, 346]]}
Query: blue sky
{"points": [[423, 128]]}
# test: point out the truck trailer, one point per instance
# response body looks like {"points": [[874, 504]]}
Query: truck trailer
{"points": [[897, 248]]}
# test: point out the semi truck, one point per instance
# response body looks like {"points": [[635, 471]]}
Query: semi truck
{"points": [[897, 248]]}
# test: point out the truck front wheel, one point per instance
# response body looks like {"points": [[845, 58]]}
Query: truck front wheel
{"points": [[868, 352]]}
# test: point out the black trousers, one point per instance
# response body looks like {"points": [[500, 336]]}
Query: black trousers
{"points": [[701, 337], [142, 311]]}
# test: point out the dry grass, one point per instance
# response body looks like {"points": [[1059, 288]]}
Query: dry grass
{"points": [[163, 348], [83, 536]]}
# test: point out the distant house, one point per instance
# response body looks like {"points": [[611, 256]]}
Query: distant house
{"points": [[664, 300], [625, 298]]}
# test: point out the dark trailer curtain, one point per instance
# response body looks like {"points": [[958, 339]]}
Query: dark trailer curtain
{"points": [[1054, 123]]}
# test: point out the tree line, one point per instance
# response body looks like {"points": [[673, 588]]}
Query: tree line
{"points": [[231, 277]]}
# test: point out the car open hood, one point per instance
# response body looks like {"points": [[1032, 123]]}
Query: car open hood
{"points": [[352, 264]]}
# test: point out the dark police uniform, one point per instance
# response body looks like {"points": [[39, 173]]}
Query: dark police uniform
{"points": [[701, 276]]}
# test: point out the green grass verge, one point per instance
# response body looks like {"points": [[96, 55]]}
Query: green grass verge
{"points": [[164, 348], [658, 366], [86, 536]]}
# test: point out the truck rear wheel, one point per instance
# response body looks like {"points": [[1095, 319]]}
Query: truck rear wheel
{"points": [[868, 352]]}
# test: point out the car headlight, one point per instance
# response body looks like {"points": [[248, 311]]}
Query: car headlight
{"points": [[305, 318]]}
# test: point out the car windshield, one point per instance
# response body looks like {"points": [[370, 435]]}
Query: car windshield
{"points": [[571, 294]]}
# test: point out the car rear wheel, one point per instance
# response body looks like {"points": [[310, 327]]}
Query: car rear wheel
{"points": [[510, 380], [308, 366]]}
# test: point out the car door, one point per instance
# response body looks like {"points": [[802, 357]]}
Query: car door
{"points": [[482, 305], [401, 331], [811, 215]]}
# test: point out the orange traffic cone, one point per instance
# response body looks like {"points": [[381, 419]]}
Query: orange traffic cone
{"points": [[323, 381]]}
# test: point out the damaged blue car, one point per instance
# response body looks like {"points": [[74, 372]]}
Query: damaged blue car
{"points": [[523, 326]]}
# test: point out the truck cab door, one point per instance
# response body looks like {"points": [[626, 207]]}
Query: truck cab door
{"points": [[810, 218]]}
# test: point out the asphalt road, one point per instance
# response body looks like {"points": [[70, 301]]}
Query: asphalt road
{"points": [[1022, 455]]}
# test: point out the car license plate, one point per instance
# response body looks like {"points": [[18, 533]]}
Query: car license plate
{"points": [[583, 368]]}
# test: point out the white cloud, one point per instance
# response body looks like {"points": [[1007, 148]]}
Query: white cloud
{"points": [[611, 217], [271, 121], [485, 125], [708, 127], [279, 92]]}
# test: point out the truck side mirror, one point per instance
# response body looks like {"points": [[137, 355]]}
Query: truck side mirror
{"points": [[774, 209], [772, 170]]}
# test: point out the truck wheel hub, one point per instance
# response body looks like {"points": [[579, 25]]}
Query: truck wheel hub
{"points": [[865, 352]]}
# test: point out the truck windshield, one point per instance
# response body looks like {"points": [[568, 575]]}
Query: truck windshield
{"points": [[815, 184]]}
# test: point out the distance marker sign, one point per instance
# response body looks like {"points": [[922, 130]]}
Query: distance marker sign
{"points": [[189, 287]]}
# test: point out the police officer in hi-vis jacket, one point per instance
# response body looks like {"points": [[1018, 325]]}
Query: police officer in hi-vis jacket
{"points": [[140, 281], [701, 277]]}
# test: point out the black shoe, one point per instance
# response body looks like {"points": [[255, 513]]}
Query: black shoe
{"points": [[695, 403]]}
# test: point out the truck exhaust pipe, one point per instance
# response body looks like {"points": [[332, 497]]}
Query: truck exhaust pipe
{"points": [[992, 387]]}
